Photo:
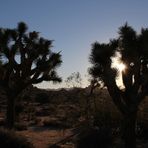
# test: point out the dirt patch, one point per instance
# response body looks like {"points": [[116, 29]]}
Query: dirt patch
{"points": [[43, 138]]}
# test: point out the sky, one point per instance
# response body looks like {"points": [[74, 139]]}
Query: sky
{"points": [[74, 25]]}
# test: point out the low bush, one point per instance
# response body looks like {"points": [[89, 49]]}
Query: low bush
{"points": [[20, 126], [142, 131], [9, 139], [94, 138], [55, 123], [42, 98]]}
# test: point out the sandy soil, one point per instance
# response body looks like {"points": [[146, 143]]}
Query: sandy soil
{"points": [[42, 138]]}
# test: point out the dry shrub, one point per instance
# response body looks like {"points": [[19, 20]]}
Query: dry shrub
{"points": [[9, 139], [20, 126], [94, 138], [55, 123]]}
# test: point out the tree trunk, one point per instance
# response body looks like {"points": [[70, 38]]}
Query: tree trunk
{"points": [[128, 130], [10, 115]]}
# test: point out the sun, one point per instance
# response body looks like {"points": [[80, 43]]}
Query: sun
{"points": [[120, 66]]}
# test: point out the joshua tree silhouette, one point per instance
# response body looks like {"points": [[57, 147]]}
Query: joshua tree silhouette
{"points": [[26, 59], [133, 48]]}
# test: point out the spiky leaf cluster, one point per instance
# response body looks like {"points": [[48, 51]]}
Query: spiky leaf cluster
{"points": [[100, 57], [27, 58]]}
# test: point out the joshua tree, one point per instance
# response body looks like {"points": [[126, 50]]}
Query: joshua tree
{"points": [[133, 48], [26, 59]]}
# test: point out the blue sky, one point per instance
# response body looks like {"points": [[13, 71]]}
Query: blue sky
{"points": [[74, 25]]}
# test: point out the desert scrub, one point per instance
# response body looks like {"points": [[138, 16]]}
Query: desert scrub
{"points": [[94, 138], [20, 126], [9, 139], [55, 123]]}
